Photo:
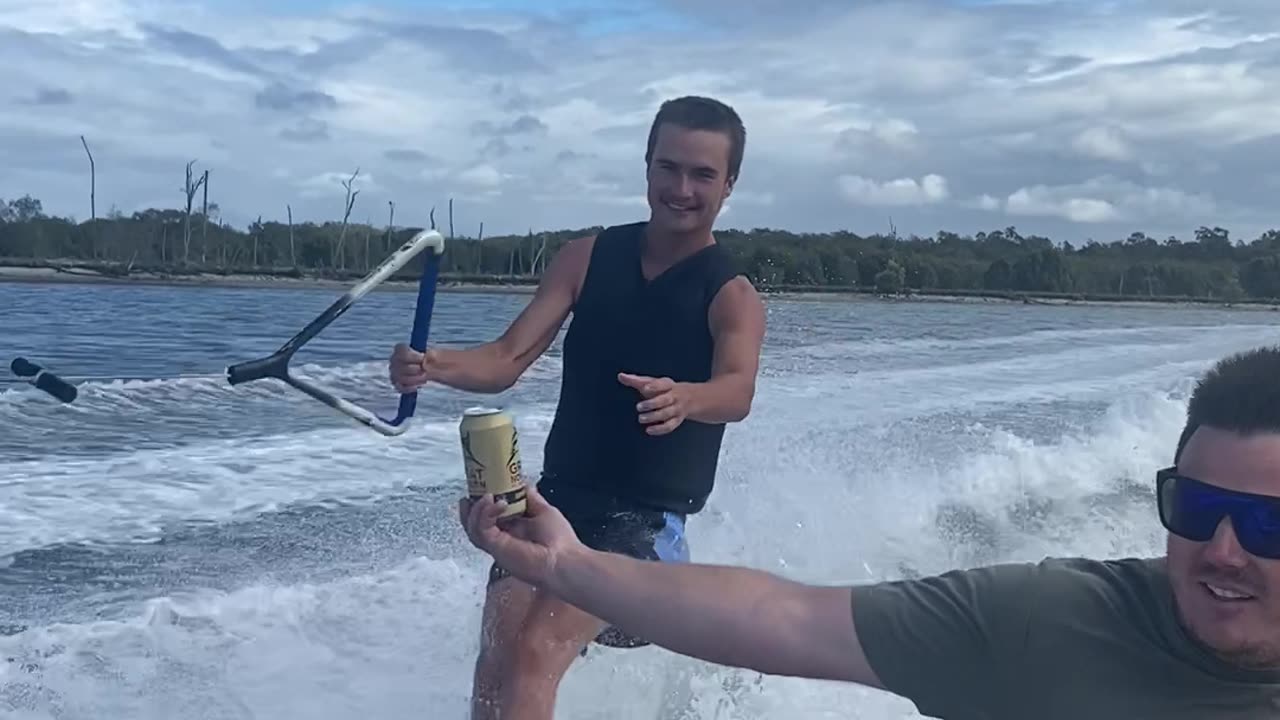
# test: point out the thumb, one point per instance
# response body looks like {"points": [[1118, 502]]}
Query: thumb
{"points": [[535, 504]]}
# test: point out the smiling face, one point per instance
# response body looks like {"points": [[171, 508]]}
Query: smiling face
{"points": [[1228, 599], [688, 178]]}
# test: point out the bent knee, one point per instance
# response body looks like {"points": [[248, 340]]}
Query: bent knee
{"points": [[532, 649], [538, 649]]}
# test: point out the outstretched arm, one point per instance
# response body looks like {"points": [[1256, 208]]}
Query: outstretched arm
{"points": [[737, 321], [953, 644], [730, 616], [495, 366], [737, 318]]}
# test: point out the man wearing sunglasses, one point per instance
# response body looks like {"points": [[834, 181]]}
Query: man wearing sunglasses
{"points": [[1192, 634]]}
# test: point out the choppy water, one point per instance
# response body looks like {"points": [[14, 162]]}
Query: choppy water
{"points": [[174, 547]]}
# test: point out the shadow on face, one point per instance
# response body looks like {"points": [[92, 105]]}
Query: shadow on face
{"points": [[1228, 598]]}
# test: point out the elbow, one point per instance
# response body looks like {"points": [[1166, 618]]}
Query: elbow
{"points": [[502, 380], [802, 641], [505, 368], [742, 408], [738, 413], [724, 400], [773, 631]]}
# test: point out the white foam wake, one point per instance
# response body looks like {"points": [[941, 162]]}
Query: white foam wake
{"points": [[133, 495], [400, 643]]}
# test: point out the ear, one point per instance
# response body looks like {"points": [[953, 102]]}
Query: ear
{"points": [[728, 187]]}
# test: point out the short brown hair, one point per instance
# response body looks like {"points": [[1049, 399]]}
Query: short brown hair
{"points": [[694, 112], [1240, 393]]}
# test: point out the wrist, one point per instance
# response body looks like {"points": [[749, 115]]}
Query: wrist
{"points": [[436, 364], [570, 566], [694, 398]]}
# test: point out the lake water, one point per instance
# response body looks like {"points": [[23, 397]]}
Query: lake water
{"points": [[172, 547]]}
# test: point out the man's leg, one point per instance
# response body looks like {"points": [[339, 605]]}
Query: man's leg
{"points": [[552, 637], [528, 641], [507, 601], [531, 639]]}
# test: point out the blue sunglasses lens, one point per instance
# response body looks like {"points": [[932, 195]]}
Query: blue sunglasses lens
{"points": [[1194, 510]]}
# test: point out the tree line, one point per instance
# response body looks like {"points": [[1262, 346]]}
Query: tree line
{"points": [[1209, 265]]}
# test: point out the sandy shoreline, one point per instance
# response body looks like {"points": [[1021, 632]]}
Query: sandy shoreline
{"points": [[46, 275]]}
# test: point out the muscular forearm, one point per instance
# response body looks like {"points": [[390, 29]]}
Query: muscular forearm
{"points": [[729, 616], [481, 369], [723, 399]]}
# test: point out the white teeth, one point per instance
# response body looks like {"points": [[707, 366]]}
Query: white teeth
{"points": [[1226, 594]]}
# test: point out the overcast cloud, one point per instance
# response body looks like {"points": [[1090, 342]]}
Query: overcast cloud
{"points": [[1074, 119]]}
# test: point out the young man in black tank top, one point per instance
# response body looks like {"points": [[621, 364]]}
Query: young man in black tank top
{"points": [[662, 352]]}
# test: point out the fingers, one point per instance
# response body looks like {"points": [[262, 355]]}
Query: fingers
{"points": [[406, 368], [402, 353], [664, 427], [480, 520], [663, 414], [656, 403], [464, 511]]}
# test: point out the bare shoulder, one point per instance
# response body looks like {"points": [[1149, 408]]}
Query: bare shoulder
{"points": [[578, 248], [568, 268], [737, 305]]}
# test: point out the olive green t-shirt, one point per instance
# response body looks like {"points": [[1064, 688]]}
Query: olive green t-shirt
{"points": [[1064, 639]]}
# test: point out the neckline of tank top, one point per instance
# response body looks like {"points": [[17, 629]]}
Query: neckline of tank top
{"points": [[638, 247]]}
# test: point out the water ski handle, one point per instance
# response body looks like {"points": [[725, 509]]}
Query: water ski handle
{"points": [[276, 365], [273, 366], [44, 380]]}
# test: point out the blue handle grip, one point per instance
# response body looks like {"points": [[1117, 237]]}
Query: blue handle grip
{"points": [[421, 328]]}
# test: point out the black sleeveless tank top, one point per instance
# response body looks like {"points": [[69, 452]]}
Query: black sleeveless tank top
{"points": [[625, 323]]}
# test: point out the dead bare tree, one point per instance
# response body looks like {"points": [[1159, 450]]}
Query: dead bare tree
{"points": [[204, 212], [93, 192], [339, 254], [391, 224], [92, 182], [257, 236], [293, 253], [190, 190], [540, 257], [517, 250], [368, 233]]}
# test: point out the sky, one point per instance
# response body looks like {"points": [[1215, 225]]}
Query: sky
{"points": [[1075, 119]]}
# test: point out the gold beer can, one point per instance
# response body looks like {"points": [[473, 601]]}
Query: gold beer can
{"points": [[491, 457]]}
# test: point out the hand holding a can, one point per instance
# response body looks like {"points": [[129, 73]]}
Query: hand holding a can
{"points": [[664, 405], [528, 545]]}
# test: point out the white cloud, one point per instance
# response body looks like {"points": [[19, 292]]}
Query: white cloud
{"points": [[902, 191], [1103, 142], [1106, 199], [1050, 202], [483, 177], [1080, 119]]}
